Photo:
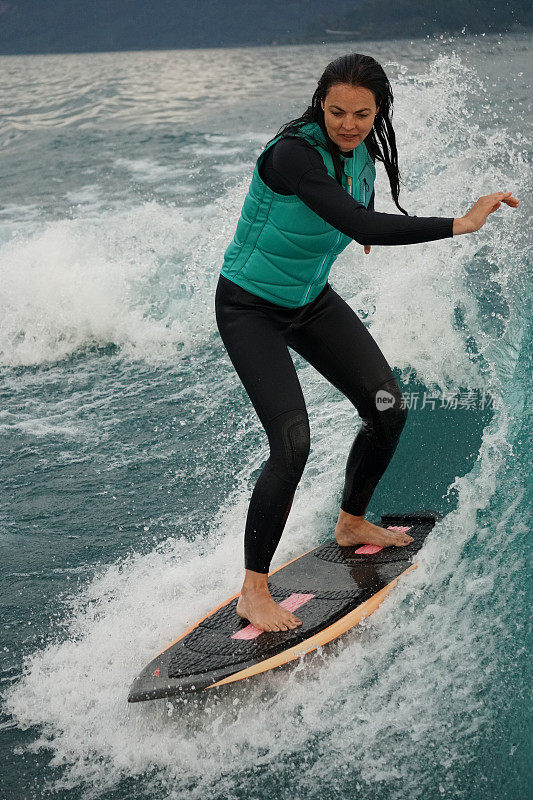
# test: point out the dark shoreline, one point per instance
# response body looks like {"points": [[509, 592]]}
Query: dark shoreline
{"points": [[37, 27]]}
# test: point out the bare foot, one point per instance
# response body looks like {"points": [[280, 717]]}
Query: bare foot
{"points": [[352, 530], [256, 605], [264, 613]]}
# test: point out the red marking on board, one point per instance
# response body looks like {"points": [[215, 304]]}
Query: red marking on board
{"points": [[370, 549], [291, 603], [155, 673]]}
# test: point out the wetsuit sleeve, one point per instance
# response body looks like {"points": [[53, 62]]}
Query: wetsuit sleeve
{"points": [[300, 168]]}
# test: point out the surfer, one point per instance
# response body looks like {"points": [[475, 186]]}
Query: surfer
{"points": [[311, 194]]}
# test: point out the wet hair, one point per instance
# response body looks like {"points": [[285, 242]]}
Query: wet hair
{"points": [[356, 69]]}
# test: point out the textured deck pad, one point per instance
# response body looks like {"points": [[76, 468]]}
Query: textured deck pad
{"points": [[383, 555], [321, 587]]}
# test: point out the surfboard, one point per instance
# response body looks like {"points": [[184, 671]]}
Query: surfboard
{"points": [[331, 588]]}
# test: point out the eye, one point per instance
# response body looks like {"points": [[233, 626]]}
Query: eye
{"points": [[339, 114]]}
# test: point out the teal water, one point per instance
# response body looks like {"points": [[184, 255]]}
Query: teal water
{"points": [[129, 449]]}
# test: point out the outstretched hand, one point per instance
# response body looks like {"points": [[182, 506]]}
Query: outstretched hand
{"points": [[474, 219]]}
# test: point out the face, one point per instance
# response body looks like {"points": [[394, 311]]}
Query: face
{"points": [[349, 113]]}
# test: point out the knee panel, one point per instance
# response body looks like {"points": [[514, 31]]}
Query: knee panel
{"points": [[389, 411], [290, 443]]}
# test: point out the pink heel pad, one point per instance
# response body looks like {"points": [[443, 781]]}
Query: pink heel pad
{"points": [[291, 603], [370, 549]]}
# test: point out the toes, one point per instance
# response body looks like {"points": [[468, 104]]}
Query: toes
{"points": [[401, 539], [276, 626], [397, 540]]}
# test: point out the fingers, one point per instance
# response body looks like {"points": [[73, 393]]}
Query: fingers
{"points": [[504, 197], [492, 202], [511, 201]]}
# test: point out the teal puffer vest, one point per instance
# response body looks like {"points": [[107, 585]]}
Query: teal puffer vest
{"points": [[282, 250]]}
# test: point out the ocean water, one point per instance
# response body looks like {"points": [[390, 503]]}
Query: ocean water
{"points": [[129, 448]]}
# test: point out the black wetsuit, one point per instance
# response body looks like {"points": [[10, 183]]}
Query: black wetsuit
{"points": [[331, 337]]}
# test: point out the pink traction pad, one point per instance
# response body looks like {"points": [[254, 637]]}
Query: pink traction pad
{"points": [[291, 603], [370, 549]]}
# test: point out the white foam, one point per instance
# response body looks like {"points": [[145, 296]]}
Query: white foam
{"points": [[146, 169], [226, 169], [37, 426], [124, 277], [91, 194]]}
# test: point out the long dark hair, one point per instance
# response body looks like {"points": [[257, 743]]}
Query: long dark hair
{"points": [[357, 70]]}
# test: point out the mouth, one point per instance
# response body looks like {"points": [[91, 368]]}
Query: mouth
{"points": [[348, 137]]}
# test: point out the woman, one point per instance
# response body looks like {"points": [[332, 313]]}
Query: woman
{"points": [[311, 194]]}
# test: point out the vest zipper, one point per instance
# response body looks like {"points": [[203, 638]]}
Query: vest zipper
{"points": [[315, 277]]}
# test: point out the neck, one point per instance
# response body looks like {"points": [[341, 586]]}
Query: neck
{"points": [[345, 153]]}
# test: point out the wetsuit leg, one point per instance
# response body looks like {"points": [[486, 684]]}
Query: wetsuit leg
{"points": [[331, 337], [252, 331]]}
